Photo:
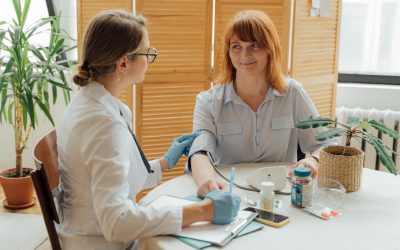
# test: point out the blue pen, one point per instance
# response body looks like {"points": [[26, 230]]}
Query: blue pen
{"points": [[231, 178]]}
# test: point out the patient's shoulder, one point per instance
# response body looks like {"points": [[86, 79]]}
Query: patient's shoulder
{"points": [[217, 92]]}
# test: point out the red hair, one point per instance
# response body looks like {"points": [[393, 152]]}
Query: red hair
{"points": [[254, 26]]}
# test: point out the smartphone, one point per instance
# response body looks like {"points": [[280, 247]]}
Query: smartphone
{"points": [[268, 218]]}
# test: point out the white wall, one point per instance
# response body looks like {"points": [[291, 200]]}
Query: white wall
{"points": [[7, 148]]}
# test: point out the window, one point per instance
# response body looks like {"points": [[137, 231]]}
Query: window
{"points": [[40, 9], [370, 38]]}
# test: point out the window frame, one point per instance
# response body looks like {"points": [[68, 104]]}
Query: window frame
{"points": [[369, 79]]}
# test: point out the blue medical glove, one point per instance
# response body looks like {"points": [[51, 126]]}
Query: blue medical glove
{"points": [[226, 206], [179, 146]]}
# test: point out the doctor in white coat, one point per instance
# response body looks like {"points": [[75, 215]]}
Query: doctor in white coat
{"points": [[102, 167]]}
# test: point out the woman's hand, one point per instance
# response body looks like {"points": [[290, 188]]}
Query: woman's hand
{"points": [[309, 162], [208, 186], [179, 146]]}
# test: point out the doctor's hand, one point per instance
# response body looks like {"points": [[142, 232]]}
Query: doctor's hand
{"points": [[181, 145], [309, 162], [208, 186], [226, 206]]}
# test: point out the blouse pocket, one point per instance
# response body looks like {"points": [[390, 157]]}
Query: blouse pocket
{"points": [[281, 129], [229, 140], [230, 128], [284, 122]]}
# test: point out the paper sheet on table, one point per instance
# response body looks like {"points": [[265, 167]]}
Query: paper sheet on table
{"points": [[206, 231]]}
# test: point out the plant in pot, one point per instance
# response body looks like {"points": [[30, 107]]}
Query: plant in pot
{"points": [[31, 76], [344, 163]]}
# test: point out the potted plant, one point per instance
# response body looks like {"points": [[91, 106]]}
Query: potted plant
{"points": [[30, 77], [344, 163]]}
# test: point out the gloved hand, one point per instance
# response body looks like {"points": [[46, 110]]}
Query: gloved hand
{"points": [[181, 145], [226, 206]]}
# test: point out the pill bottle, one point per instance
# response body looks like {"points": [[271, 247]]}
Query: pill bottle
{"points": [[267, 196], [301, 187]]}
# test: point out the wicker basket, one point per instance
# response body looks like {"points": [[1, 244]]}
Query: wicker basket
{"points": [[343, 164]]}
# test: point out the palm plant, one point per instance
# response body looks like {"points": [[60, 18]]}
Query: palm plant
{"points": [[355, 128], [31, 74]]}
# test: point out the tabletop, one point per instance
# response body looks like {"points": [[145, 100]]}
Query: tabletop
{"points": [[370, 217], [35, 209]]}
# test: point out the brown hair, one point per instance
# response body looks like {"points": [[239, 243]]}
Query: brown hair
{"points": [[254, 26], [110, 35]]}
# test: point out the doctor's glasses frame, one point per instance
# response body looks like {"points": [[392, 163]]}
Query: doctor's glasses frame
{"points": [[151, 54]]}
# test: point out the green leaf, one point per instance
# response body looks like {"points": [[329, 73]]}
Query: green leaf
{"points": [[25, 11], [17, 9], [384, 158], [58, 84], [314, 122], [54, 92], [27, 101], [382, 127], [3, 104], [366, 126], [330, 133], [24, 118], [46, 97], [353, 121], [37, 53], [56, 47], [10, 113], [44, 109], [32, 30]]}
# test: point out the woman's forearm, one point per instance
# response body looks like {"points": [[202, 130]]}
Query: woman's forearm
{"points": [[202, 169]]}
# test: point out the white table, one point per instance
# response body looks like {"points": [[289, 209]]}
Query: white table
{"points": [[370, 217]]}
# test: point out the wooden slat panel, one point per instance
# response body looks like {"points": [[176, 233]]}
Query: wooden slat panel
{"points": [[277, 10], [181, 32], [315, 54], [167, 113], [87, 9]]}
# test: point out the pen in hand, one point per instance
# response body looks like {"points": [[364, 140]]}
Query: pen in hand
{"points": [[231, 178]]}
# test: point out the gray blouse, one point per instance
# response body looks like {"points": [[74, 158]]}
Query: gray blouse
{"points": [[233, 133]]}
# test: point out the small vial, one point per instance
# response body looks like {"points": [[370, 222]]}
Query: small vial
{"points": [[302, 187], [267, 196]]}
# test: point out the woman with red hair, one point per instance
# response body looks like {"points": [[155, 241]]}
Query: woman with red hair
{"points": [[249, 115]]}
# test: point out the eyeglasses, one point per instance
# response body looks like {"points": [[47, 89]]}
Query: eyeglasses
{"points": [[151, 54]]}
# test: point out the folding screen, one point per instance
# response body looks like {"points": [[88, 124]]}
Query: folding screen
{"points": [[181, 32], [315, 53], [87, 9], [277, 10]]}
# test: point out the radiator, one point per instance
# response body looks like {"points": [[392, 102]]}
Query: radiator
{"points": [[389, 117]]}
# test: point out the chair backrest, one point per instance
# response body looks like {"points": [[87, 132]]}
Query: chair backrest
{"points": [[300, 154], [45, 179]]}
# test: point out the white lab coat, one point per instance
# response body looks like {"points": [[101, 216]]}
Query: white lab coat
{"points": [[101, 171]]}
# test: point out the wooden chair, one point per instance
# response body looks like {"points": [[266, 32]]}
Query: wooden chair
{"points": [[45, 179], [300, 154]]}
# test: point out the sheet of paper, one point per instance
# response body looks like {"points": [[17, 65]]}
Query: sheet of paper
{"points": [[206, 231]]}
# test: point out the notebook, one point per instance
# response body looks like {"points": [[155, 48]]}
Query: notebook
{"points": [[206, 231]]}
